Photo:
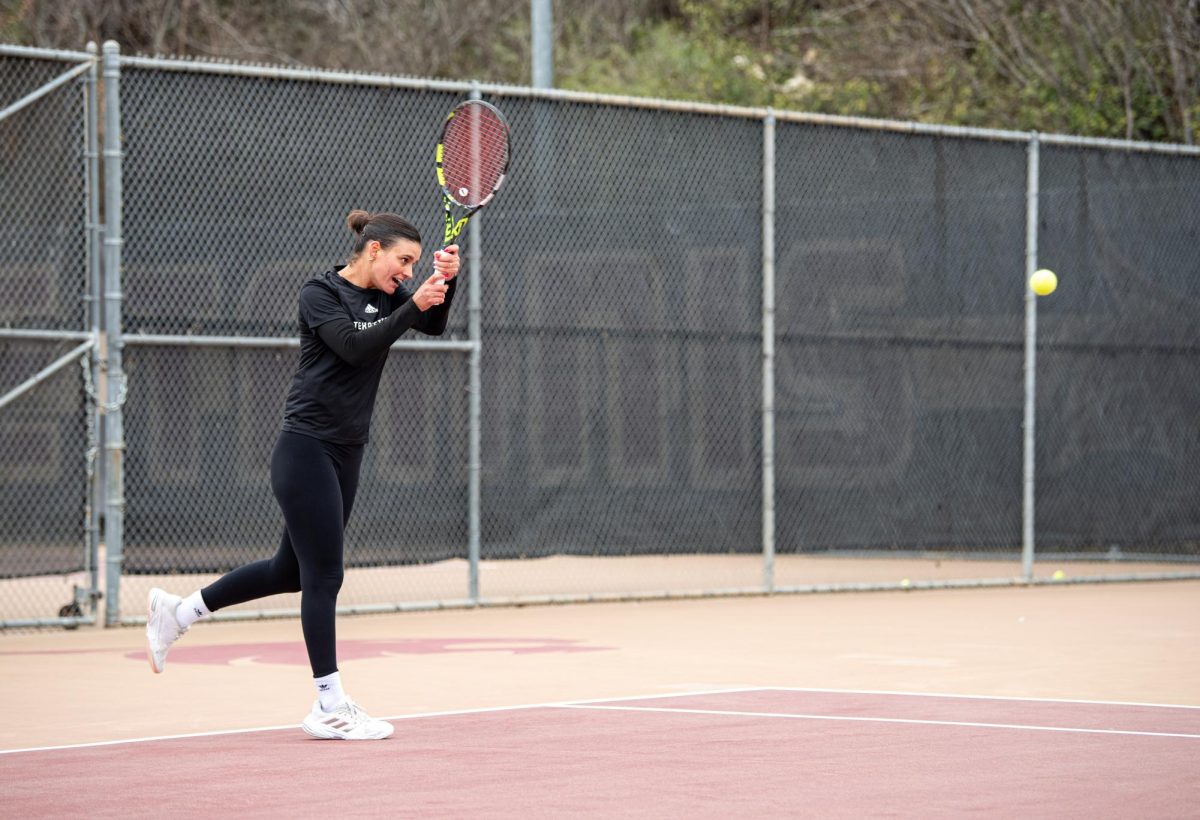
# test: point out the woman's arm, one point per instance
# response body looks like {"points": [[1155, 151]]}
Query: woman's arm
{"points": [[358, 347]]}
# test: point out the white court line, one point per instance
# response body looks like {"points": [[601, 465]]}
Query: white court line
{"points": [[1008, 698], [872, 720], [99, 743], [594, 703], [421, 715]]}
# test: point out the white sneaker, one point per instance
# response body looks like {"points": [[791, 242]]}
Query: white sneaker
{"points": [[162, 629], [346, 722]]}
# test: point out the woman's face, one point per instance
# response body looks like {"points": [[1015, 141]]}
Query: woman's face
{"points": [[394, 264]]}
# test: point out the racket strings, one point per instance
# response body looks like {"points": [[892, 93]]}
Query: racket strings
{"points": [[473, 168]]}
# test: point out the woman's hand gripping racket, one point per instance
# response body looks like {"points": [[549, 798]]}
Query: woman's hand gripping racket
{"points": [[472, 159]]}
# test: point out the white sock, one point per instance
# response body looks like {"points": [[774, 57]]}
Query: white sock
{"points": [[329, 690], [191, 609]]}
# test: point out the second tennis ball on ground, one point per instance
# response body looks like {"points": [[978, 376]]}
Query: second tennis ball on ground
{"points": [[1043, 282]]}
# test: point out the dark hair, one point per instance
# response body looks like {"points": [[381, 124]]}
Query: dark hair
{"points": [[384, 228]]}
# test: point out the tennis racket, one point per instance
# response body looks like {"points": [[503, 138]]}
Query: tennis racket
{"points": [[472, 159]]}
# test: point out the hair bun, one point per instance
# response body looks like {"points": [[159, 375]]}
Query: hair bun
{"points": [[357, 221]]}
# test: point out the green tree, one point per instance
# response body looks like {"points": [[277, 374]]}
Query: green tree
{"points": [[1114, 68]]}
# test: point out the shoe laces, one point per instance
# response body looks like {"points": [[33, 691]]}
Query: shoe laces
{"points": [[355, 712]]}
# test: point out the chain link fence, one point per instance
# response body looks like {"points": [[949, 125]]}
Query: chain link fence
{"points": [[622, 331], [900, 332], [1119, 355], [716, 349], [48, 433]]}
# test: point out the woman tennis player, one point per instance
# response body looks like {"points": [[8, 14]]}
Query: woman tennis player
{"points": [[349, 317]]}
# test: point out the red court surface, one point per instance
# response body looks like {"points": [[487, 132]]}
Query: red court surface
{"points": [[742, 753]]}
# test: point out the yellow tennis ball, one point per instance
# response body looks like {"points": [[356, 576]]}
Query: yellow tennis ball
{"points": [[1059, 575], [1043, 282]]}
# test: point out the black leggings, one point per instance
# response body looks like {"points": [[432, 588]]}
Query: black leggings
{"points": [[315, 482]]}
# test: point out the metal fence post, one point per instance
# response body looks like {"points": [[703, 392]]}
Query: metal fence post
{"points": [[768, 353], [474, 433], [114, 383], [541, 26], [95, 301], [1031, 253]]}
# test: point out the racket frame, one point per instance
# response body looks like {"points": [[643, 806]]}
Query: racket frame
{"points": [[458, 214]]}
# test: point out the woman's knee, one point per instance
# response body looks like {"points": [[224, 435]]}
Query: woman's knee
{"points": [[286, 574], [327, 581]]}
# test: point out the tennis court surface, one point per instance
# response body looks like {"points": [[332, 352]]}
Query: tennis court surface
{"points": [[753, 753], [993, 703]]}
